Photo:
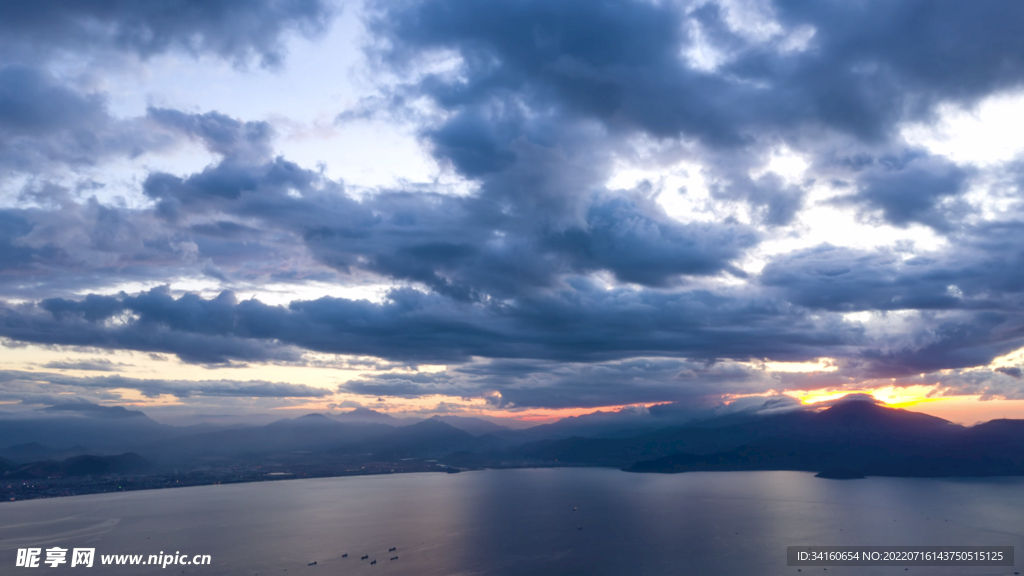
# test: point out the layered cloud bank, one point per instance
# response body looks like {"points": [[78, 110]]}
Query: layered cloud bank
{"points": [[623, 202]]}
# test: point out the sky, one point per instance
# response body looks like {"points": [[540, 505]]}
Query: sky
{"points": [[520, 209]]}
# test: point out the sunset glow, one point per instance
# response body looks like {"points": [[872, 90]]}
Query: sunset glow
{"points": [[897, 397]]}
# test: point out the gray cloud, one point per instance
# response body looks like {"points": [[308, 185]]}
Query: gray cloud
{"points": [[1013, 371], [46, 124], [584, 322], [513, 384], [236, 31], [909, 190], [50, 122], [866, 67], [94, 364], [153, 388]]}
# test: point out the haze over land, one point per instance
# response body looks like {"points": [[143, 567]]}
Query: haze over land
{"points": [[517, 211], [852, 438]]}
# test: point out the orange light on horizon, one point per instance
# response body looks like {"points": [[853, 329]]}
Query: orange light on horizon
{"points": [[419, 406], [893, 396], [965, 409], [551, 414]]}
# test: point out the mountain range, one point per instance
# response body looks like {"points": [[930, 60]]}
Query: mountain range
{"points": [[847, 440]]}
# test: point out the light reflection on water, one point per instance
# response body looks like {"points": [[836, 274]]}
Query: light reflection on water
{"points": [[522, 522]]}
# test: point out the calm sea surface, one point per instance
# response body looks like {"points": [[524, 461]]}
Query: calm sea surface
{"points": [[522, 522]]}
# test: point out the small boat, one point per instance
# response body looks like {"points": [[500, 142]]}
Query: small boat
{"points": [[311, 564], [573, 509], [392, 549], [372, 563], [365, 557], [395, 558], [580, 528], [345, 555]]}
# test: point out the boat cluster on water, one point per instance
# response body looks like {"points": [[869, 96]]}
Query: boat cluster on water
{"points": [[395, 548], [366, 557]]}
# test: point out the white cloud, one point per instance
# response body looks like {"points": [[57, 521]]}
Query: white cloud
{"points": [[990, 133]]}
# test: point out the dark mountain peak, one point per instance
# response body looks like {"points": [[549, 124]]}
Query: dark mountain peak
{"points": [[872, 416], [33, 451], [315, 416], [858, 401], [434, 423], [368, 415], [427, 438], [84, 465], [433, 428], [1001, 424], [1003, 428], [309, 420], [475, 426], [28, 446], [365, 412]]}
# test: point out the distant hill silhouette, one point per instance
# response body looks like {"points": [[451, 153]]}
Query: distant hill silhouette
{"points": [[368, 416], [853, 438], [865, 419], [86, 465], [475, 426], [107, 430], [34, 451], [429, 438], [309, 433], [857, 439]]}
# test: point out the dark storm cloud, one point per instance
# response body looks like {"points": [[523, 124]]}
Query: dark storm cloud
{"points": [[964, 302], [586, 322], [774, 202], [1013, 371], [847, 280], [533, 384], [48, 122], [951, 343], [912, 190], [66, 239], [16, 258], [642, 380], [468, 248], [930, 51], [93, 324], [407, 386], [981, 271], [226, 181], [70, 244], [229, 137], [866, 67], [616, 61], [234, 30], [45, 123], [32, 101]]}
